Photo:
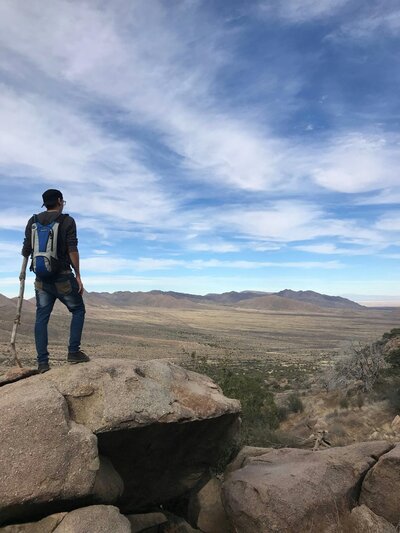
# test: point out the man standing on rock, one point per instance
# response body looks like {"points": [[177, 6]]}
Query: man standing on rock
{"points": [[51, 241]]}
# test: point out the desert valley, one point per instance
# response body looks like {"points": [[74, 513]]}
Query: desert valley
{"points": [[287, 328], [310, 371]]}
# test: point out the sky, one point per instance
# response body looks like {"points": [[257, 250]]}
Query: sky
{"points": [[207, 145]]}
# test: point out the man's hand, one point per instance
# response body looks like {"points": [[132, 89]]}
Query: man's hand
{"points": [[81, 290], [74, 257]]}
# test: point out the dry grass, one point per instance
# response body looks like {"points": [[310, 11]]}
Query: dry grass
{"points": [[147, 333]]}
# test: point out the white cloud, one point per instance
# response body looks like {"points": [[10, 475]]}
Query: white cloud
{"points": [[323, 248], [291, 221], [9, 249], [13, 219], [216, 263], [158, 84], [386, 196], [332, 249], [355, 163], [119, 264], [47, 143], [389, 222], [220, 248], [299, 11], [67, 84], [282, 221], [379, 18], [100, 252]]}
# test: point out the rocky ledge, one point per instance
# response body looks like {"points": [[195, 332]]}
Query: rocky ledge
{"points": [[136, 435], [126, 447]]}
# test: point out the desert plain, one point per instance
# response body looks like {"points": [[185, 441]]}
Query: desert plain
{"points": [[262, 336]]}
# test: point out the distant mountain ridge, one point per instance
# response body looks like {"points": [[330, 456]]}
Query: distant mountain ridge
{"points": [[321, 300], [284, 300]]}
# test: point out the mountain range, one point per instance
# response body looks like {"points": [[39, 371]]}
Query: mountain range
{"points": [[286, 300]]}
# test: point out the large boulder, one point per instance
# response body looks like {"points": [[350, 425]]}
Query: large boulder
{"points": [[92, 519], [107, 395], [46, 525], [148, 522], [45, 455], [292, 490], [363, 520], [158, 426], [381, 487], [206, 510]]}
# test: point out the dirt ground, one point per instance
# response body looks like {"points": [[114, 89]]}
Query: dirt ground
{"points": [[223, 332]]}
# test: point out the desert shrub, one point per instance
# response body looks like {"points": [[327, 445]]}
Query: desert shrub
{"points": [[363, 363], [395, 332], [393, 397], [283, 413], [280, 439], [344, 403], [332, 414], [294, 403], [260, 414], [259, 411], [360, 400], [337, 430], [393, 358]]}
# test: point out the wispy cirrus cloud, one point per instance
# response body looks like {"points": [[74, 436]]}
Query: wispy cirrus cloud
{"points": [[299, 11], [119, 264], [357, 162], [214, 136], [379, 18]]}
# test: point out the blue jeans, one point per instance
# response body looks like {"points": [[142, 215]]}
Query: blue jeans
{"points": [[64, 288]]}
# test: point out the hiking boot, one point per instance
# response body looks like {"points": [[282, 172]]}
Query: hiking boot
{"points": [[43, 367], [77, 357]]}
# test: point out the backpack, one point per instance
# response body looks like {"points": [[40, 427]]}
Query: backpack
{"points": [[45, 261]]}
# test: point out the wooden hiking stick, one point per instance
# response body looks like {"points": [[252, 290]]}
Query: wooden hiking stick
{"points": [[17, 319]]}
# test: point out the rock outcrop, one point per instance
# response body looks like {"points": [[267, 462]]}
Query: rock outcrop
{"points": [[292, 490], [121, 446], [363, 520], [381, 487], [136, 434]]}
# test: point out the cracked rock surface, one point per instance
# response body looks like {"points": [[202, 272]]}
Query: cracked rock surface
{"points": [[381, 487], [292, 490]]}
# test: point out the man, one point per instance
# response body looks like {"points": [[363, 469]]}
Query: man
{"points": [[62, 285]]}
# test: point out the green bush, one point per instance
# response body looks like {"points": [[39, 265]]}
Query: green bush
{"points": [[283, 413], [360, 400], [395, 332], [393, 358], [393, 397], [260, 414], [344, 403], [294, 403]]}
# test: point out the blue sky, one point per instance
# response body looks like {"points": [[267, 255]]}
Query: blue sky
{"points": [[206, 146]]}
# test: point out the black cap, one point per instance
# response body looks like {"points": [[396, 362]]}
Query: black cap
{"points": [[51, 196]]}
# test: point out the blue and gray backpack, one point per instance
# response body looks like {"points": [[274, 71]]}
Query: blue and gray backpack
{"points": [[45, 261]]}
